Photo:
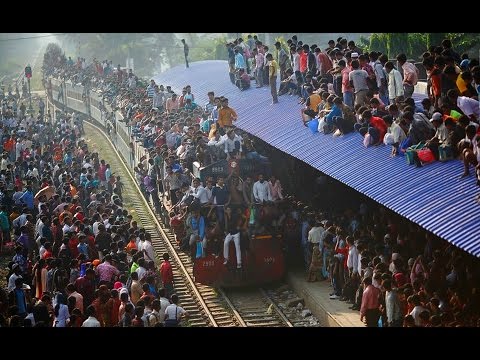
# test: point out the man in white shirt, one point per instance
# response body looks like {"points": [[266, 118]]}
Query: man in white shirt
{"points": [[86, 164], [147, 248], [141, 270], [395, 134], [132, 82], [261, 190], [199, 192], [469, 106], [315, 235], [418, 308], [232, 143], [13, 277], [67, 226], [173, 313], [91, 320], [395, 83], [158, 99], [441, 131], [259, 61], [352, 259], [392, 305], [153, 318], [164, 303]]}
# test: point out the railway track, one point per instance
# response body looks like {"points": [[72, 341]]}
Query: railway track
{"points": [[207, 306]]}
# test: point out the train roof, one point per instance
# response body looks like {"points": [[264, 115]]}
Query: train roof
{"points": [[433, 196]]}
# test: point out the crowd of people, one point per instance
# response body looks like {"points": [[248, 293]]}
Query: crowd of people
{"points": [[78, 257], [80, 247], [345, 89]]}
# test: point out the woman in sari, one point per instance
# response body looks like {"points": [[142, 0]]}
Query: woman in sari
{"points": [[40, 278]]}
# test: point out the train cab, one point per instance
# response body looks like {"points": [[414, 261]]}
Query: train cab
{"points": [[225, 167], [262, 262]]}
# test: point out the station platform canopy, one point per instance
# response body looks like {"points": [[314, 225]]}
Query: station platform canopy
{"points": [[433, 196]]}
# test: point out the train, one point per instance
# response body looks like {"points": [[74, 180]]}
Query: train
{"points": [[263, 262], [225, 167]]}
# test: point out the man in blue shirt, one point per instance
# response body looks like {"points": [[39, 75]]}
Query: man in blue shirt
{"points": [[239, 59], [27, 198], [198, 234], [220, 199], [17, 297]]}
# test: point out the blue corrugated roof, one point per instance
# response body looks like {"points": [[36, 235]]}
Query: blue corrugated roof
{"points": [[433, 196]]}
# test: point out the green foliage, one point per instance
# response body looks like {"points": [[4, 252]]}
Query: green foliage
{"points": [[397, 43], [378, 42], [417, 45], [364, 43], [414, 44], [118, 47], [434, 39], [463, 42], [221, 52], [283, 43], [203, 49]]}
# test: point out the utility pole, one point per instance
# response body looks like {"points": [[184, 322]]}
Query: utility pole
{"points": [[28, 75], [30, 108], [64, 95]]}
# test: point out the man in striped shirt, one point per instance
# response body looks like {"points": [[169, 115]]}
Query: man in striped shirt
{"points": [[210, 103], [151, 89]]}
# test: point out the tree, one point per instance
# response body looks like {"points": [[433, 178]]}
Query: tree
{"points": [[397, 43], [414, 44], [434, 39], [221, 52], [378, 42], [417, 45]]}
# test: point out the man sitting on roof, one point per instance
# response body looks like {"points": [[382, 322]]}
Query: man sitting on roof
{"points": [[420, 128], [243, 80], [311, 104], [289, 84], [442, 133], [190, 105], [396, 133], [372, 125]]}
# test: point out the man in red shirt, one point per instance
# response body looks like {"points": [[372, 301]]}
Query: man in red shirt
{"points": [[101, 173], [370, 303], [434, 74], [303, 61], [85, 286], [167, 275], [376, 126]]}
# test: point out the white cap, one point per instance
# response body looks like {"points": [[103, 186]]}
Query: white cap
{"points": [[436, 117]]}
